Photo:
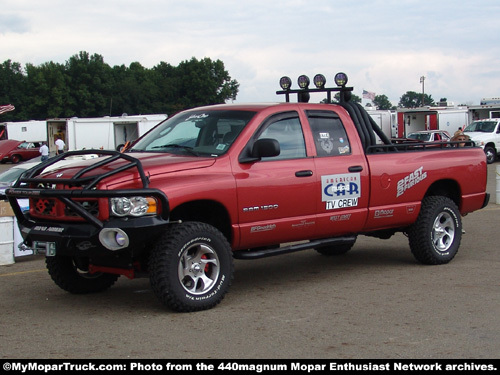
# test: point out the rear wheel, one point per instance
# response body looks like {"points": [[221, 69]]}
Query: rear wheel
{"points": [[435, 237], [333, 250], [71, 274], [191, 267]]}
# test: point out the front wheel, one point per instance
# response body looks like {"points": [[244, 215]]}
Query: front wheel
{"points": [[435, 237], [15, 159], [71, 274], [490, 154], [191, 267]]}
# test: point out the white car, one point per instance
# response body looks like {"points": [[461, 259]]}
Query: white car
{"points": [[8, 177]]}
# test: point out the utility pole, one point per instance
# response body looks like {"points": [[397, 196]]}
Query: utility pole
{"points": [[422, 79]]}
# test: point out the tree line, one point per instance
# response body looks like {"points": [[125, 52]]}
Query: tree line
{"points": [[85, 86]]}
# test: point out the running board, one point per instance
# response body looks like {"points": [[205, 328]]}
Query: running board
{"points": [[264, 253]]}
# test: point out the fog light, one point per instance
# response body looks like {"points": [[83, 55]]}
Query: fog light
{"points": [[285, 83], [341, 79], [303, 81], [113, 238], [319, 81]]}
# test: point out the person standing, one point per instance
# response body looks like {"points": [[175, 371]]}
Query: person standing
{"points": [[44, 151], [59, 145]]}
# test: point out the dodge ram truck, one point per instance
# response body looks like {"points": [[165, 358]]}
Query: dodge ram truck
{"points": [[244, 181]]}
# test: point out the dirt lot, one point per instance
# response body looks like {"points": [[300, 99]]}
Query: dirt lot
{"points": [[374, 302]]}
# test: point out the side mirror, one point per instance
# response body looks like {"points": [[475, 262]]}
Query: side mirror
{"points": [[265, 148]]}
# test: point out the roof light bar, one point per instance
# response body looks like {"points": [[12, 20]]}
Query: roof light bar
{"points": [[319, 81]]}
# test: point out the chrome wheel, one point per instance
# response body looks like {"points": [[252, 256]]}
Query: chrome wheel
{"points": [[198, 269], [443, 232]]}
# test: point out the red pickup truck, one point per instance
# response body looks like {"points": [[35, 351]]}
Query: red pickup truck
{"points": [[243, 181]]}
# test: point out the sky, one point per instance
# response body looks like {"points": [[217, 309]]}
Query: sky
{"points": [[384, 46]]}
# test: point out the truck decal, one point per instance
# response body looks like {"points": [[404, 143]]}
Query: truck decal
{"points": [[411, 180], [341, 190]]}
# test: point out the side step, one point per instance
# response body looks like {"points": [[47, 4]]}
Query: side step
{"points": [[264, 253]]}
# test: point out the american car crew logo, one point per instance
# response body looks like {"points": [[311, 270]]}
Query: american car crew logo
{"points": [[340, 190]]}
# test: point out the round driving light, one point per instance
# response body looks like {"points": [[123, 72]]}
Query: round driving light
{"points": [[319, 81], [303, 82], [113, 238], [341, 79], [285, 83]]}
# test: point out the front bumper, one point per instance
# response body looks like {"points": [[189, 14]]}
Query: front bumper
{"points": [[86, 240]]}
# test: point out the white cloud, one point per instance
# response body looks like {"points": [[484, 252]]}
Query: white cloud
{"points": [[383, 45]]}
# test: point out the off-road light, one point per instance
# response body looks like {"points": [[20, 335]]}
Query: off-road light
{"points": [[285, 83], [303, 82], [341, 79], [113, 238], [319, 81]]}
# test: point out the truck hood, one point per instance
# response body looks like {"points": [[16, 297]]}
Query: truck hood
{"points": [[153, 164], [479, 136]]}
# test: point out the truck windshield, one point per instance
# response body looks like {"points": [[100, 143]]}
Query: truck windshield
{"points": [[481, 126], [200, 133]]}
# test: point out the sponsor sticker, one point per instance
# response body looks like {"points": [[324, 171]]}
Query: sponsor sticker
{"points": [[410, 180], [340, 190]]}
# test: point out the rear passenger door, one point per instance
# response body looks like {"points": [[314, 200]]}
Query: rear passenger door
{"points": [[342, 192]]}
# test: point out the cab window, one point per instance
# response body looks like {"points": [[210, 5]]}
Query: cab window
{"points": [[330, 137], [287, 130]]}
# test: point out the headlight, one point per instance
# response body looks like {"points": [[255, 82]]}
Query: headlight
{"points": [[133, 206]]}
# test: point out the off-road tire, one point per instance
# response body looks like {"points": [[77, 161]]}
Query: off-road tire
{"points": [[71, 275], [435, 237], [335, 250], [191, 267]]}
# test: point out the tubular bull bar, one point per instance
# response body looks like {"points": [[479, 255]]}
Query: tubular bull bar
{"points": [[87, 189]]}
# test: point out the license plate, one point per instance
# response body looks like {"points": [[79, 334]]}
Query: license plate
{"points": [[47, 248]]}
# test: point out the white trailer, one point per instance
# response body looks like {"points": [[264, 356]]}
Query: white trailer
{"points": [[29, 131], [432, 118], [386, 120], [105, 133]]}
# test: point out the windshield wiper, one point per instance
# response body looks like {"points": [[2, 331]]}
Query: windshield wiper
{"points": [[175, 145]]}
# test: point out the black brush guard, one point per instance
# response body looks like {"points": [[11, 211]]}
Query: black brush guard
{"points": [[88, 186]]}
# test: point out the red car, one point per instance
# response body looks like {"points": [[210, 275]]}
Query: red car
{"points": [[16, 151]]}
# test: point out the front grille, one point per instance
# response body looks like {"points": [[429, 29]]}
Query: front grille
{"points": [[53, 208], [43, 206], [91, 206]]}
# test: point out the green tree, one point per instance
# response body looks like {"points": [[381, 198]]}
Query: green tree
{"points": [[89, 80], [382, 102], [47, 90], [412, 99], [85, 86], [13, 90]]}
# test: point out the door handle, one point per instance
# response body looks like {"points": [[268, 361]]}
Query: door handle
{"points": [[303, 173], [355, 168]]}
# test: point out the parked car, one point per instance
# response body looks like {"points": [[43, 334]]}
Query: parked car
{"points": [[8, 177], [430, 136], [16, 151]]}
